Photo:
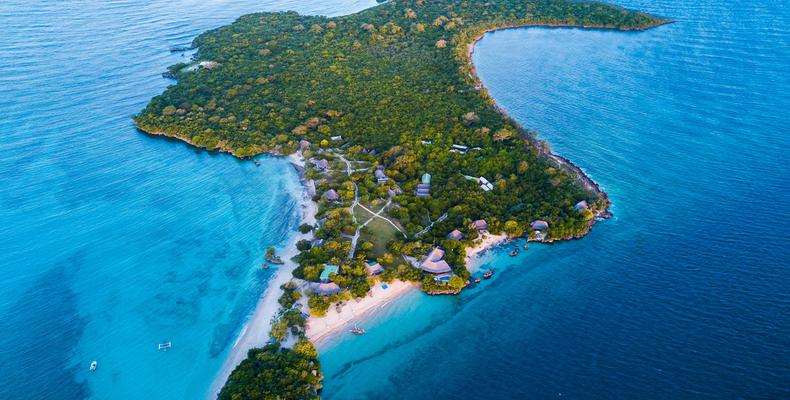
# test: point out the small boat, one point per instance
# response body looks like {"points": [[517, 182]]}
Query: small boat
{"points": [[477, 280], [526, 246], [265, 266], [514, 252], [94, 364], [488, 274], [258, 163], [467, 283], [357, 331], [165, 346]]}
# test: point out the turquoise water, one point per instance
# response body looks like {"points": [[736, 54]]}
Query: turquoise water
{"points": [[684, 294], [113, 241]]}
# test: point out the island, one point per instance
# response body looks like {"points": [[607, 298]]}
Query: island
{"points": [[409, 165]]}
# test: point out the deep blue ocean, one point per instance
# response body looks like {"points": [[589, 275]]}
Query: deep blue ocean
{"points": [[112, 241]]}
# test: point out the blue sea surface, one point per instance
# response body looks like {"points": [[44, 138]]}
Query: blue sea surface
{"points": [[112, 241], [685, 294]]}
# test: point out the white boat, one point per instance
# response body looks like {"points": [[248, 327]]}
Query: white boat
{"points": [[94, 364], [165, 346]]}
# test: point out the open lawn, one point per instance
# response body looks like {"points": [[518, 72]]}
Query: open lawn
{"points": [[378, 232]]}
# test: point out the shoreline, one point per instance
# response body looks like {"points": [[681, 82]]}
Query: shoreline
{"points": [[255, 332], [561, 161], [488, 242], [319, 329]]}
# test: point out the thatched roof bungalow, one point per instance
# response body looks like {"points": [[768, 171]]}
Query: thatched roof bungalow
{"points": [[331, 195], [374, 268], [433, 263], [324, 288], [455, 234], [539, 225]]}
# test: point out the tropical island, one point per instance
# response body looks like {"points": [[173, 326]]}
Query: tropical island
{"points": [[409, 164]]}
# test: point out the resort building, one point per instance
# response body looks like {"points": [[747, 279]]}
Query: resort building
{"points": [[328, 270], [582, 205], [380, 175], [539, 225], [480, 224], [433, 263], [303, 144], [324, 288], [374, 268], [331, 195], [457, 148], [208, 64], [337, 138], [322, 164], [424, 187], [485, 184], [455, 234]]}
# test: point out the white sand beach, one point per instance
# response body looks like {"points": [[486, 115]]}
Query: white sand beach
{"points": [[487, 242], [256, 331], [320, 328]]}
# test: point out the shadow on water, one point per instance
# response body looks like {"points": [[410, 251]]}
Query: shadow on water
{"points": [[45, 313]]}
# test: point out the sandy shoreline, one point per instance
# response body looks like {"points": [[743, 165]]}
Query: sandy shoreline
{"points": [[353, 312], [256, 329], [322, 328], [488, 242]]}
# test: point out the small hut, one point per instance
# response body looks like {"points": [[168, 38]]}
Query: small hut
{"points": [[480, 224], [325, 288], [426, 178], [455, 234], [331, 195], [539, 225], [374, 268]]}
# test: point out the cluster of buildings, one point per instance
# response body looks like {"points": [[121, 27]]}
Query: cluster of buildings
{"points": [[326, 287], [424, 187]]}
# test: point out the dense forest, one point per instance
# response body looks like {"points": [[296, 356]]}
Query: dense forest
{"points": [[393, 79], [392, 87], [272, 372]]}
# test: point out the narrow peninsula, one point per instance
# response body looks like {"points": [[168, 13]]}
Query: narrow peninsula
{"points": [[409, 162]]}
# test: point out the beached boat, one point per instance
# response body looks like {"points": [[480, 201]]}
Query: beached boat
{"points": [[165, 346], [94, 364], [488, 274]]}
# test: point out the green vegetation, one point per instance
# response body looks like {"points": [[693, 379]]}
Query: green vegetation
{"points": [[274, 373], [389, 87], [385, 79]]}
